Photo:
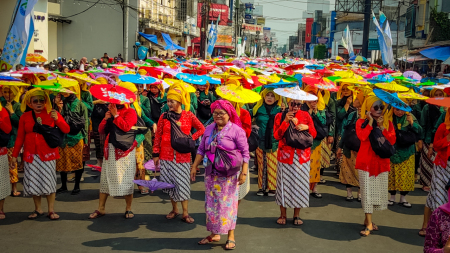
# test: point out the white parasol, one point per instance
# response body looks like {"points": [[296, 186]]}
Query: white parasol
{"points": [[295, 93]]}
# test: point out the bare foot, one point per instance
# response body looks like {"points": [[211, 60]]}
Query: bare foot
{"points": [[2, 215], [208, 239]]}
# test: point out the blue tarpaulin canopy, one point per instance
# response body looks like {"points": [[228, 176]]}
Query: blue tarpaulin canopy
{"points": [[169, 43], [439, 53], [151, 37]]}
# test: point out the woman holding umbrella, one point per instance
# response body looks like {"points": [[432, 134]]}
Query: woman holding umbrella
{"points": [[373, 171], [71, 153], [119, 166], [10, 102], [225, 137], [40, 159], [5, 185], [293, 171], [264, 114], [428, 119], [175, 166]]}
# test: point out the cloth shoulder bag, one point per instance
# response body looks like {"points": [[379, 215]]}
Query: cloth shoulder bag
{"points": [[296, 139], [253, 140], [53, 136], [119, 138], [351, 140], [180, 142], [380, 145], [74, 120], [322, 130], [404, 139]]}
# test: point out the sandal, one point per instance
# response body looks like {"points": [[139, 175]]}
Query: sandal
{"points": [[187, 218], [4, 215], [297, 219], [349, 198], [50, 214], [228, 242], [144, 191], [170, 217], [15, 194], [316, 195], [209, 238], [426, 189], [364, 233], [322, 181], [405, 204], [38, 214], [423, 232], [129, 213], [97, 213], [390, 203], [359, 198], [282, 218]]}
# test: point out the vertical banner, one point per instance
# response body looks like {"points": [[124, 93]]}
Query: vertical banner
{"points": [[266, 33], [385, 40], [212, 37], [19, 35], [347, 41]]}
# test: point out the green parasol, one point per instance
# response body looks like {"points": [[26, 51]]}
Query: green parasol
{"points": [[152, 62], [56, 87]]}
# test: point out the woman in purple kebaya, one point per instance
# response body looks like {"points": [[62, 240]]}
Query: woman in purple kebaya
{"points": [[225, 146]]}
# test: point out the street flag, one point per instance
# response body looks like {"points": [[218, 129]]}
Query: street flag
{"points": [[213, 36], [347, 41], [384, 39], [19, 35]]}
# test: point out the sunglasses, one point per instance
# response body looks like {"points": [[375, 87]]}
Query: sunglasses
{"points": [[296, 104], [37, 101], [378, 108]]}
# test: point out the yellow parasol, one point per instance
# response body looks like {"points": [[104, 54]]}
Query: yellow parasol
{"points": [[269, 79], [188, 87], [366, 89], [352, 81], [35, 58], [64, 82], [238, 94], [83, 78], [392, 86], [411, 95], [242, 73], [225, 76], [9, 83]]}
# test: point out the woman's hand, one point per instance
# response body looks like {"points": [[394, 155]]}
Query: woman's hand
{"points": [[349, 101], [409, 118], [339, 153], [289, 116], [420, 145], [430, 152], [107, 115], [302, 127], [13, 163], [54, 114], [193, 173], [330, 139], [113, 110], [9, 107], [156, 161], [369, 117], [154, 128], [242, 178]]}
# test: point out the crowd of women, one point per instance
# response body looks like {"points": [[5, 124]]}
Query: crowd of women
{"points": [[292, 141]]}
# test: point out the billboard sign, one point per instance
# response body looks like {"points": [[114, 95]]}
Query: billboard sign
{"points": [[266, 33], [258, 10], [322, 40], [214, 12], [260, 21]]}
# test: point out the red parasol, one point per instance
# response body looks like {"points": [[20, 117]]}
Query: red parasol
{"points": [[113, 94], [376, 66], [180, 53], [224, 64], [294, 67], [253, 85], [336, 66], [320, 83], [195, 71], [323, 71], [359, 72], [445, 102]]}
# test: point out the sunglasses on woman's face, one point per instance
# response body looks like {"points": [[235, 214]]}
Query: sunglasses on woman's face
{"points": [[378, 108], [37, 101], [295, 104]]}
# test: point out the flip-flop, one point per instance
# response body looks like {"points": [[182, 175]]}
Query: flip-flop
{"points": [[185, 219], [405, 204], [209, 238], [297, 219], [38, 214], [128, 213], [423, 230], [2, 213], [281, 218], [49, 215], [98, 215], [364, 233], [172, 212], [15, 194], [230, 241], [390, 203]]}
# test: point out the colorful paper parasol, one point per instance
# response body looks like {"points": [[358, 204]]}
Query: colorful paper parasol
{"points": [[238, 94], [31, 70], [113, 94], [64, 82], [137, 79], [56, 87], [35, 58], [392, 86], [441, 101], [392, 99], [179, 53], [95, 167], [411, 95], [295, 93], [412, 75], [12, 83], [189, 87], [150, 165], [83, 78], [153, 184], [320, 83]]}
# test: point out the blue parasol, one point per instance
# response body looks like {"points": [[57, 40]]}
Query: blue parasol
{"points": [[137, 79], [196, 79], [281, 84], [386, 78], [314, 66], [391, 99], [9, 78]]}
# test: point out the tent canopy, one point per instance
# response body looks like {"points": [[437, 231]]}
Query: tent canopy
{"points": [[169, 43], [439, 53], [152, 38]]}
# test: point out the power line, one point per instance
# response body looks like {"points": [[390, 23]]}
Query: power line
{"points": [[84, 10]]}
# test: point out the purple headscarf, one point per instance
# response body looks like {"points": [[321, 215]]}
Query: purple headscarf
{"points": [[229, 108]]}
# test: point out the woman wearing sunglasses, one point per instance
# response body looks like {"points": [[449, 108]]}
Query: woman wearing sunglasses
{"points": [[373, 171], [40, 160], [293, 164], [225, 146]]}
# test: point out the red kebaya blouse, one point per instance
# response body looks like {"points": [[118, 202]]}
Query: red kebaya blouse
{"points": [[162, 145], [367, 160], [35, 143], [246, 122], [286, 153], [440, 145], [5, 126]]}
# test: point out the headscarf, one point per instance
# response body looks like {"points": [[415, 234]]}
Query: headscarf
{"points": [[131, 87], [33, 78], [142, 72], [339, 93], [261, 102], [101, 80], [315, 91], [368, 102], [32, 93], [179, 93], [160, 87], [237, 107], [229, 108], [16, 91], [76, 89], [43, 75], [207, 87], [433, 91]]}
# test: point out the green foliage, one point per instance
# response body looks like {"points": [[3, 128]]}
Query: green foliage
{"points": [[441, 24], [320, 52]]}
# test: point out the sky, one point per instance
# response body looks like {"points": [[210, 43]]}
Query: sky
{"points": [[283, 16]]}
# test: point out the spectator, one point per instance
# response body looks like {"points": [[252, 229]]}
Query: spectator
{"points": [[105, 58], [119, 58], [83, 63]]}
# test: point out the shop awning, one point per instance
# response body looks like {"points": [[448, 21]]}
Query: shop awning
{"points": [[414, 58], [152, 38], [169, 43], [441, 53]]}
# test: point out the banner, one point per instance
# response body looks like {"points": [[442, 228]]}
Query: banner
{"points": [[385, 40], [266, 34], [20, 33], [347, 41], [212, 37]]}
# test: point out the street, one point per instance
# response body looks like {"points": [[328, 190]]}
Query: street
{"points": [[331, 224]]}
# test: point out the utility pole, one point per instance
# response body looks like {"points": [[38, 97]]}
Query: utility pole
{"points": [[204, 29], [367, 20], [236, 28], [125, 29]]}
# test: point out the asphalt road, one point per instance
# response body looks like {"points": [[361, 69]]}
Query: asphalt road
{"points": [[331, 224]]}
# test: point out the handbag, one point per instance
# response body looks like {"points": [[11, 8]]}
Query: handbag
{"points": [[4, 138], [351, 140], [321, 129], [297, 139], [253, 140], [74, 120], [180, 142], [404, 139], [53, 136], [203, 111], [119, 138], [140, 126], [380, 145]]}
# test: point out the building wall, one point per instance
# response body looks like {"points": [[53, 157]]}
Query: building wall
{"points": [[96, 31], [6, 11], [52, 40]]}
